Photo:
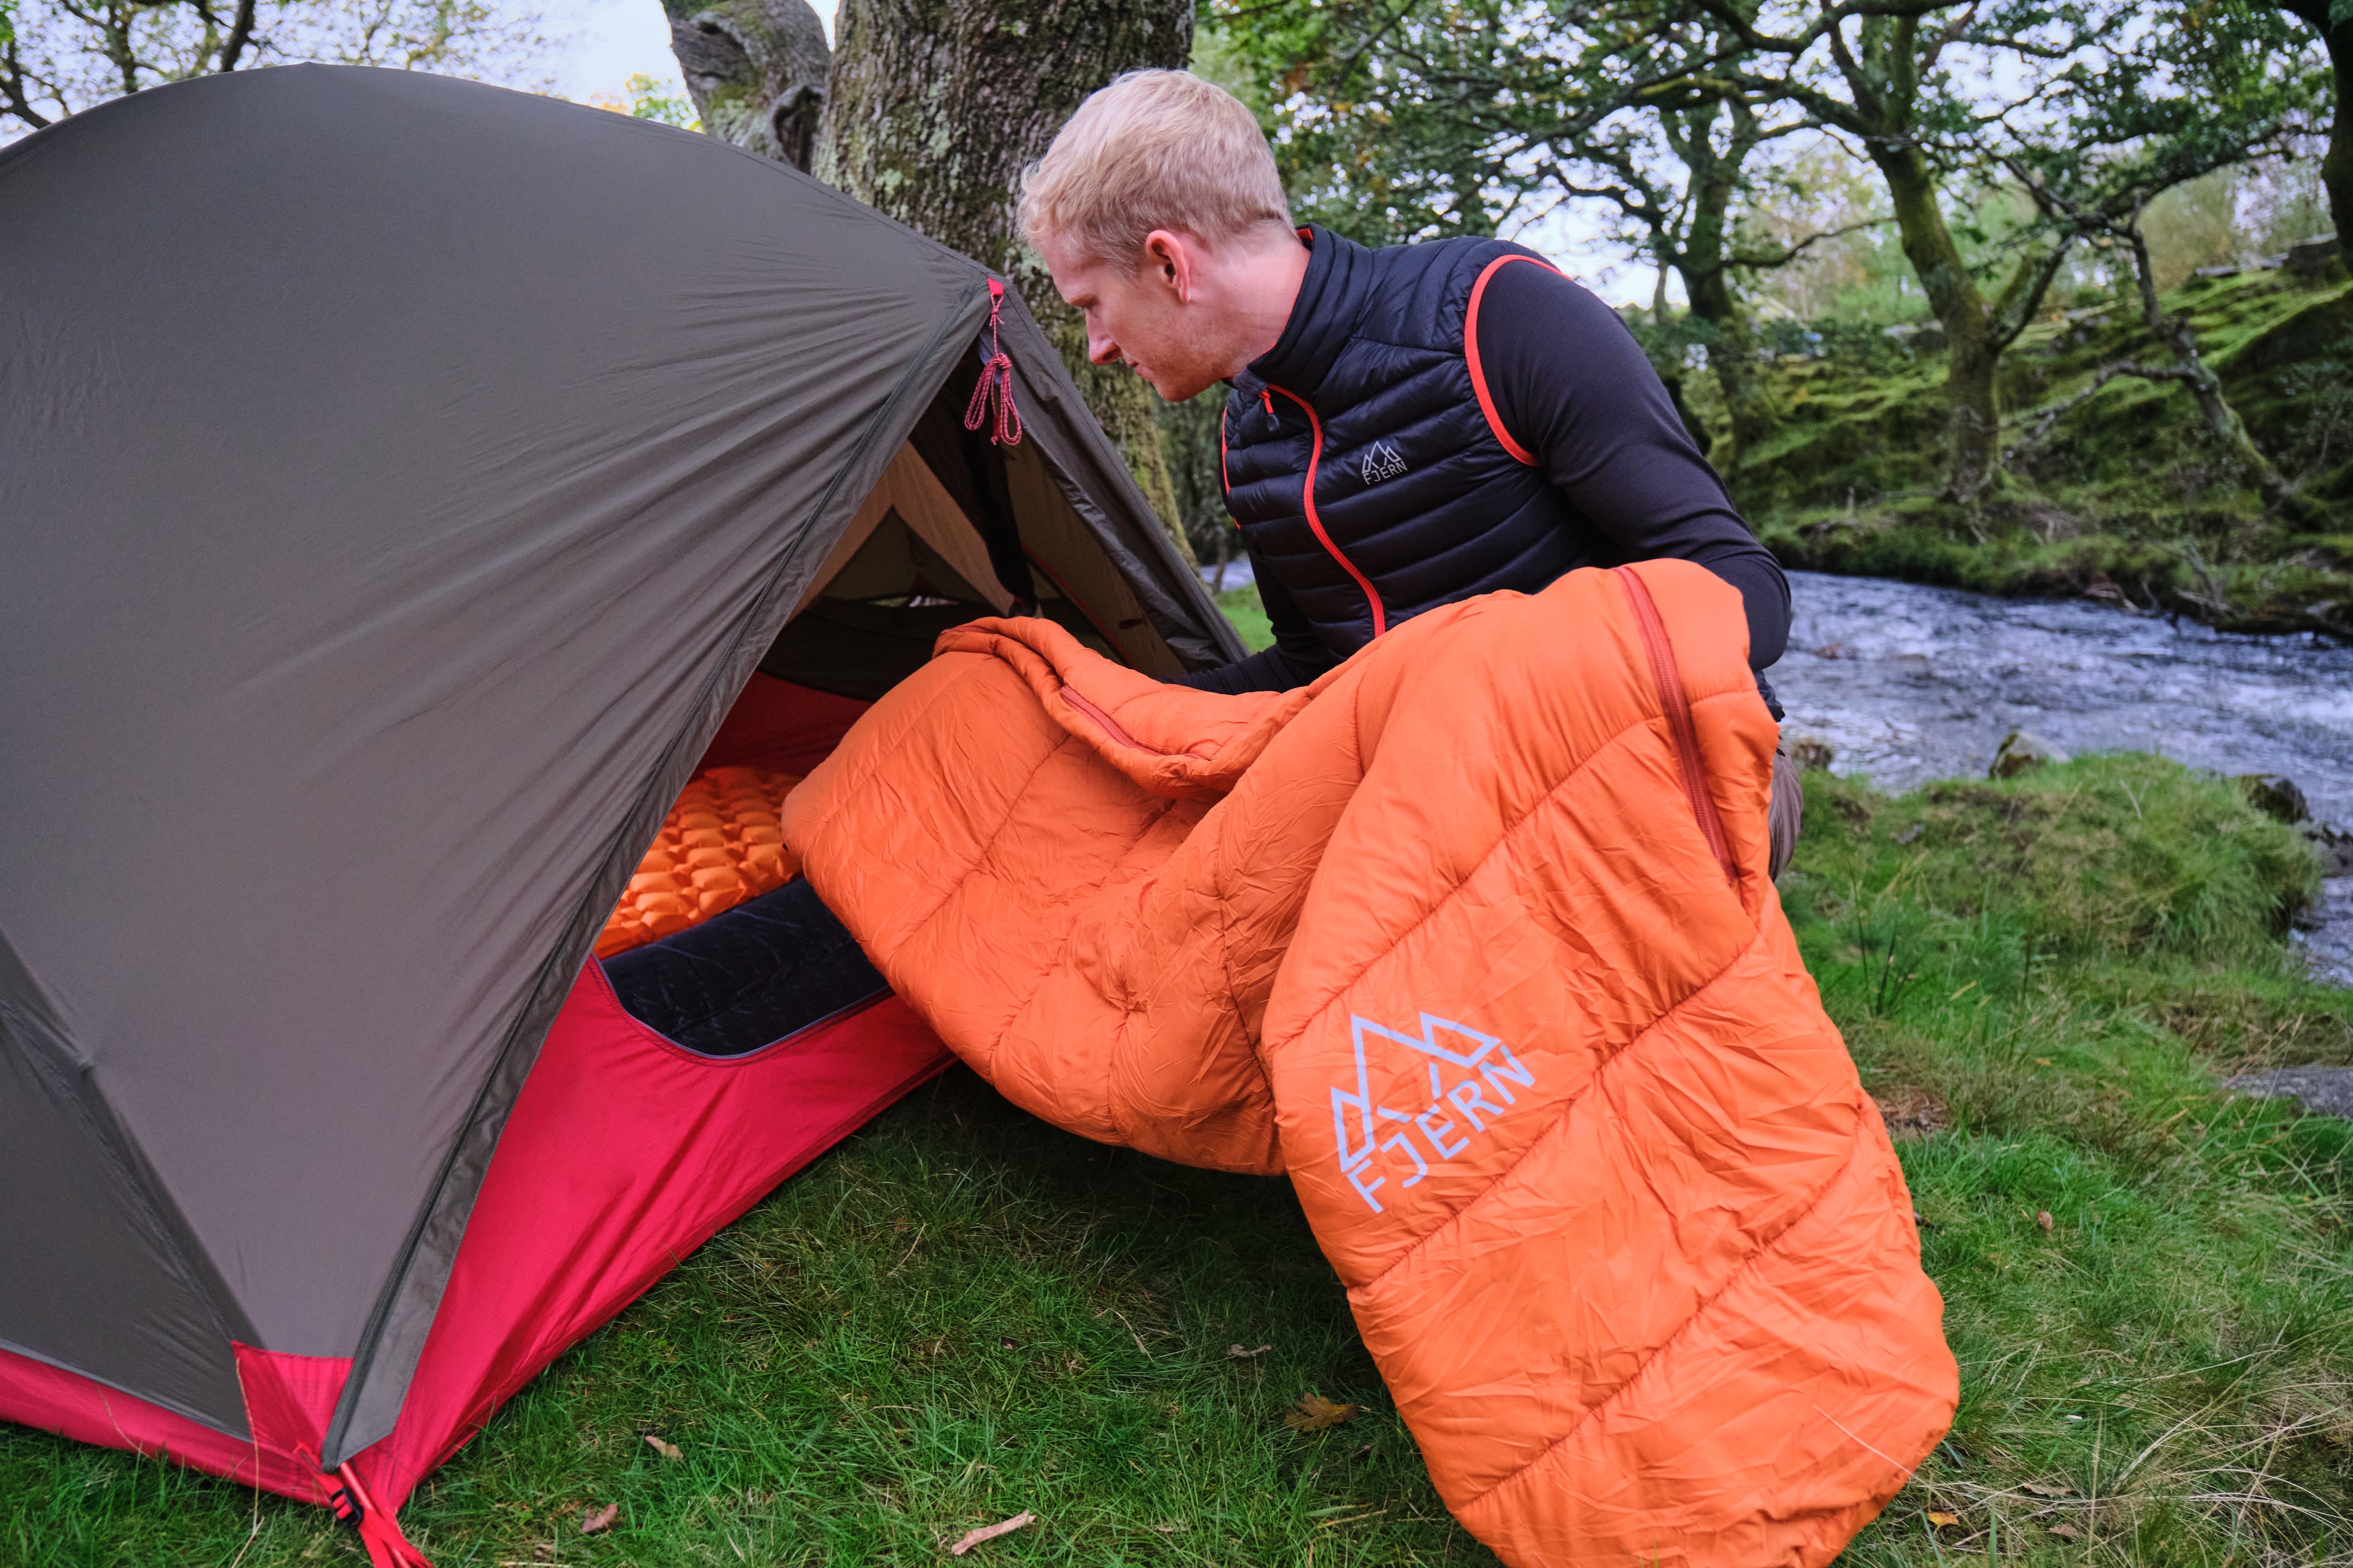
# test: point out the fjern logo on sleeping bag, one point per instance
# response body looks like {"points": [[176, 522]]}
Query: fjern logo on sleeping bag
{"points": [[1455, 1116]]}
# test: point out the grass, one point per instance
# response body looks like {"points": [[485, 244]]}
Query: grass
{"points": [[960, 1314], [1242, 608]]}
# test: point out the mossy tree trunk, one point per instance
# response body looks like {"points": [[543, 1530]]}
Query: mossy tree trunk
{"points": [[1973, 416], [1704, 261], [2337, 164], [756, 70], [934, 109], [1884, 76], [1893, 79]]}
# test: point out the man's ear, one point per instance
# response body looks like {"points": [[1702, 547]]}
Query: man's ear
{"points": [[1169, 259]]}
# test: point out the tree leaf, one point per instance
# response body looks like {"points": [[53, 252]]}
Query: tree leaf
{"points": [[1941, 1520], [2044, 1488], [2066, 1531], [600, 1520], [670, 1451], [1237, 1354], [1317, 1414], [991, 1531]]}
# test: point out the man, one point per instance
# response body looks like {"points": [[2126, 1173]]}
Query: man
{"points": [[1406, 428]]}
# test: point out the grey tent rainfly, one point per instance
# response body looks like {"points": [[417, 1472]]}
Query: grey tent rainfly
{"points": [[408, 487]]}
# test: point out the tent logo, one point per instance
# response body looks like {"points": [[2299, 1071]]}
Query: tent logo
{"points": [[1381, 463], [1485, 1064]]}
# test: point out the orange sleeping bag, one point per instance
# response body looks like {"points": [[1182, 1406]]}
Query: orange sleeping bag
{"points": [[1473, 938]]}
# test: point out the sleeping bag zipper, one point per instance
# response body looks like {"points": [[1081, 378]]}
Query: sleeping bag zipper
{"points": [[1675, 701]]}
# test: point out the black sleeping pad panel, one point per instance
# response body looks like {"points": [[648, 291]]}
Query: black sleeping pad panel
{"points": [[765, 969]]}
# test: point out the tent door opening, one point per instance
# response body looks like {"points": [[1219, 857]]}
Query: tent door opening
{"points": [[733, 952]]}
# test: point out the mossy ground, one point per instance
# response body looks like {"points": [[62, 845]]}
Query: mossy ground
{"points": [[961, 1314], [2126, 496]]}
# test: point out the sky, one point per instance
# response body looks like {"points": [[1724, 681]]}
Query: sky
{"points": [[608, 41]]}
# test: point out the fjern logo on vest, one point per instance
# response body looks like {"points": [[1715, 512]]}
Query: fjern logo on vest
{"points": [[1381, 463], [1485, 1070]]}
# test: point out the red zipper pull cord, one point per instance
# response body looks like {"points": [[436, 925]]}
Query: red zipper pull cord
{"points": [[995, 377], [387, 1547]]}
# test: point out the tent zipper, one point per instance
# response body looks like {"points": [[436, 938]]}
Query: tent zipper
{"points": [[1674, 702], [1307, 495]]}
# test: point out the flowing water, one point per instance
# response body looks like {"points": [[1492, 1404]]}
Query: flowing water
{"points": [[1908, 683]]}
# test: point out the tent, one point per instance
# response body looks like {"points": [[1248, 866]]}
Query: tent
{"points": [[407, 487]]}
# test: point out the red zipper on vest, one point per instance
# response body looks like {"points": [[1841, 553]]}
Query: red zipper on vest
{"points": [[1675, 701], [1307, 495]]}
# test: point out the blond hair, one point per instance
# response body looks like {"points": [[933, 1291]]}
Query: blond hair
{"points": [[1156, 149]]}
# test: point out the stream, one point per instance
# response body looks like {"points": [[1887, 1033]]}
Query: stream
{"points": [[1908, 683]]}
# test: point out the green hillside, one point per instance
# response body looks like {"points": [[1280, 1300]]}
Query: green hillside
{"points": [[2124, 496]]}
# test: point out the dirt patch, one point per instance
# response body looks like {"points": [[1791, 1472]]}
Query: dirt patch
{"points": [[1912, 1114]]}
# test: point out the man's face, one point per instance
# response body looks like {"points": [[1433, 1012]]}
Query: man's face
{"points": [[1147, 316]]}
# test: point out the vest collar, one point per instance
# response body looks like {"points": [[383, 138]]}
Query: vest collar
{"points": [[1322, 318]]}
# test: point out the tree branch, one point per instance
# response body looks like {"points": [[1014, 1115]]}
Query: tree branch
{"points": [[1757, 258], [240, 33]]}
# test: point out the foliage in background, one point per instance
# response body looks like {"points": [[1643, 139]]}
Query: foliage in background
{"points": [[649, 99], [1476, 117], [2123, 494], [2207, 93], [961, 1314], [62, 56], [1812, 175]]}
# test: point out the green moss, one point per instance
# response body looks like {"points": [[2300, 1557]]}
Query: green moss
{"points": [[2124, 493]]}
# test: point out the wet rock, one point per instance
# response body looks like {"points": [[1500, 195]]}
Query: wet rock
{"points": [[2275, 796], [1808, 751], [2324, 1091], [2020, 751], [2333, 845]]}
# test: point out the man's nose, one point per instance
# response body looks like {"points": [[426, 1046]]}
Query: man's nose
{"points": [[1100, 350]]}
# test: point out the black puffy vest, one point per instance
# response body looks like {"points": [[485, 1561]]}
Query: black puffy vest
{"points": [[1364, 473]]}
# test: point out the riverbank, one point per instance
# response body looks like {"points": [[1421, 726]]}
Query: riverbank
{"points": [[2123, 497]]}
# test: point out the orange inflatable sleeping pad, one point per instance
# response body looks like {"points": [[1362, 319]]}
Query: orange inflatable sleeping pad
{"points": [[720, 845]]}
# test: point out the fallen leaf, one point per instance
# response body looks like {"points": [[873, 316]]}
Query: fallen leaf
{"points": [[1241, 1355], [1317, 1414], [1941, 1520], [600, 1520], [991, 1531], [2044, 1488], [2042, 1061], [670, 1451], [2043, 1218], [2066, 1531]]}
